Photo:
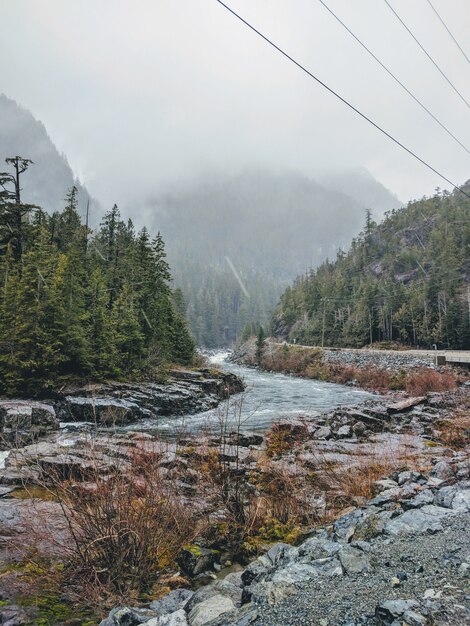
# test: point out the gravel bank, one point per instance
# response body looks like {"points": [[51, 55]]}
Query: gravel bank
{"points": [[432, 574]]}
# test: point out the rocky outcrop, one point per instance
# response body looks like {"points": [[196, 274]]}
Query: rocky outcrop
{"points": [[403, 558], [22, 421], [185, 392]]}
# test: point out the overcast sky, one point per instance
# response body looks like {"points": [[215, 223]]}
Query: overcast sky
{"points": [[140, 93]]}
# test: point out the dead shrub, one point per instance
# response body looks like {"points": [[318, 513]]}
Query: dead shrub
{"points": [[374, 378], [455, 432], [284, 437], [125, 528], [427, 380]]}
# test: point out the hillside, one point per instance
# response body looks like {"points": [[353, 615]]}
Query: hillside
{"points": [[51, 176], [404, 280], [267, 226]]}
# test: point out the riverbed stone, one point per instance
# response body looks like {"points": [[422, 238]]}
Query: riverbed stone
{"points": [[426, 519], [210, 609], [172, 602], [194, 559], [177, 618]]}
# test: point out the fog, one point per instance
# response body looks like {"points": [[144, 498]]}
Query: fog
{"points": [[139, 95]]}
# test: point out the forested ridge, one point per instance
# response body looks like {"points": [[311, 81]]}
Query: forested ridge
{"points": [[78, 304], [406, 279], [264, 225]]}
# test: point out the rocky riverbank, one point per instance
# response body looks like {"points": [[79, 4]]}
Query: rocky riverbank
{"points": [[379, 371], [116, 403], [379, 499], [401, 560]]}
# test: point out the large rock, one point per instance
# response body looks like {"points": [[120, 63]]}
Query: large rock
{"points": [[386, 613], [194, 560], [184, 392], [177, 618], [26, 420], [354, 561], [209, 610], [424, 520]]}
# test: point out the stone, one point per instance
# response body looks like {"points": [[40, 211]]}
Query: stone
{"points": [[442, 470], [445, 496], [177, 618], [390, 610], [424, 497], [217, 588], [324, 432], [344, 432], [426, 519], [461, 500], [194, 560], [315, 548], [209, 610], [404, 405], [295, 572], [412, 618], [353, 560], [240, 617], [172, 602], [407, 476]]}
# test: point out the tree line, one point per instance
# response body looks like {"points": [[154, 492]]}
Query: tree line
{"points": [[78, 304], [406, 280]]}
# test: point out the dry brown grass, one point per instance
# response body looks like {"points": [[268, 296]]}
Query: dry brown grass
{"points": [[455, 432], [284, 437], [125, 528], [427, 380]]}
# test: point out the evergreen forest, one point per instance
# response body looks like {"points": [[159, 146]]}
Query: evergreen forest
{"points": [[405, 280], [77, 304]]}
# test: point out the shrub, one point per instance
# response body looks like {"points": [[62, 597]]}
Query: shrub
{"points": [[125, 528], [455, 432], [427, 380], [284, 437]]}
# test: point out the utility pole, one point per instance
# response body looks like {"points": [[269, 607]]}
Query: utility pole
{"points": [[323, 324]]}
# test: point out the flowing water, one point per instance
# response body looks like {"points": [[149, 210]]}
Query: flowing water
{"points": [[268, 398]]}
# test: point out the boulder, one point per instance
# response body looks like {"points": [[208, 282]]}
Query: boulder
{"points": [[353, 560], [177, 618], [172, 602], [424, 520], [25, 420], [194, 560], [387, 612], [209, 610]]}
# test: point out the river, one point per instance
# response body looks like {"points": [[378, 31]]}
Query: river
{"points": [[268, 398]]}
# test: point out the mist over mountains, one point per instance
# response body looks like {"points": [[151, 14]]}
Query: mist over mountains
{"points": [[234, 243], [260, 229], [48, 180]]}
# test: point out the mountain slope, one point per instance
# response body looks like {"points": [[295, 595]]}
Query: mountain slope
{"points": [[259, 228], [405, 280], [47, 181]]}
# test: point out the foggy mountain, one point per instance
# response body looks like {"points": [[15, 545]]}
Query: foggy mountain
{"points": [[234, 243], [48, 180], [364, 188], [264, 227]]}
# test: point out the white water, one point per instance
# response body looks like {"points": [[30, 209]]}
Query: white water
{"points": [[268, 398]]}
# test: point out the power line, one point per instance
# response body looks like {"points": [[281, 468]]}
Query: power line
{"points": [[334, 93], [427, 54], [397, 80], [447, 29]]}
